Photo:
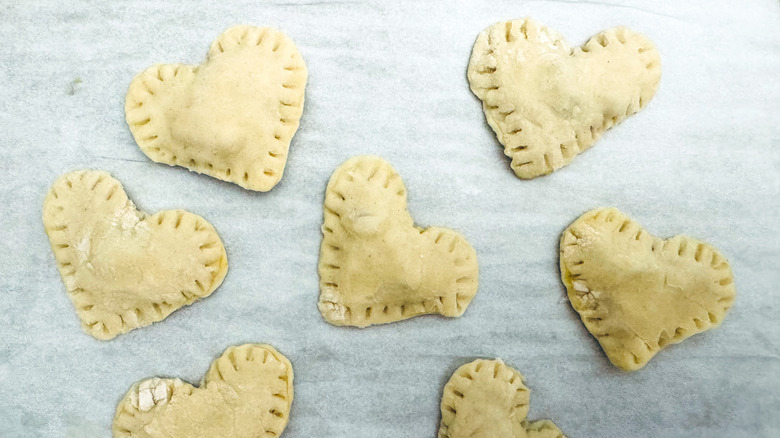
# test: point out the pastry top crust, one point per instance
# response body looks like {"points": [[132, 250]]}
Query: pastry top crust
{"points": [[232, 117], [122, 268], [487, 399], [546, 101], [637, 293], [375, 265], [247, 393]]}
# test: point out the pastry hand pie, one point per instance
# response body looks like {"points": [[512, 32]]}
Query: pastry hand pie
{"points": [[637, 293], [546, 101], [232, 117], [487, 399], [375, 266], [123, 269], [247, 393]]}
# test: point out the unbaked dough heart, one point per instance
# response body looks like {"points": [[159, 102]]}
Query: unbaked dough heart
{"points": [[548, 102], [487, 399], [123, 269], [375, 265], [637, 293], [232, 117], [247, 393]]}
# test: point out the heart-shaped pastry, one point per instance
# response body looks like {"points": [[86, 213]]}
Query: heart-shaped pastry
{"points": [[487, 399], [247, 393], [548, 102], [637, 293], [232, 117], [375, 265], [123, 269]]}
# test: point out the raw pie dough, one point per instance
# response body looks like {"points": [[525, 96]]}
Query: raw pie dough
{"points": [[487, 399], [232, 117], [123, 269], [637, 293], [548, 102], [247, 393], [375, 265]]}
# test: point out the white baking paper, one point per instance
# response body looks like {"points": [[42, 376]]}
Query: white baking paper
{"points": [[389, 78]]}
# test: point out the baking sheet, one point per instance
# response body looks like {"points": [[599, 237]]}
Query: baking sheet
{"points": [[388, 78]]}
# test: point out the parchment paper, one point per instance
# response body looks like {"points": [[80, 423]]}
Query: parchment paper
{"points": [[388, 78]]}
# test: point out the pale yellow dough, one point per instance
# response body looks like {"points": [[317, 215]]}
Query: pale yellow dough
{"points": [[637, 293], [123, 269], [375, 266], [487, 399], [232, 117], [546, 101], [247, 393]]}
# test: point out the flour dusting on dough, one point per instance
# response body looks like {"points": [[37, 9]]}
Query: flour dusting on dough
{"points": [[127, 217], [151, 393]]}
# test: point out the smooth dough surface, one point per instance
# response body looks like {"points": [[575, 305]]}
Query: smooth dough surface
{"points": [[375, 266], [487, 399], [247, 393], [637, 293], [232, 117], [546, 101], [123, 269]]}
